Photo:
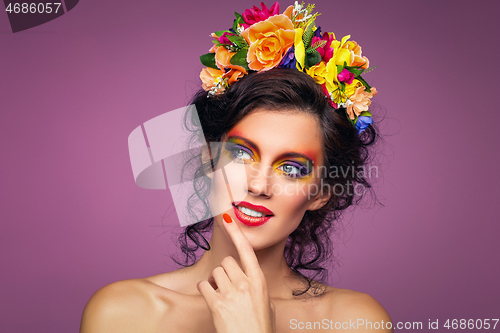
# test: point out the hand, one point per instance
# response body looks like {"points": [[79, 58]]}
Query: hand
{"points": [[241, 302]]}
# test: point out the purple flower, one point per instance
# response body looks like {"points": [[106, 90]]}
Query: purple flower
{"points": [[317, 32], [345, 76], [362, 123], [289, 60]]}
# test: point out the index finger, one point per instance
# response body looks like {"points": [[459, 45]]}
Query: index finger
{"points": [[245, 250]]}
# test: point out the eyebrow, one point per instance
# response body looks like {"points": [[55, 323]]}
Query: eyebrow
{"points": [[280, 157], [248, 142], [295, 155]]}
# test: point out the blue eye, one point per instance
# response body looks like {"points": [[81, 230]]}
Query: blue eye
{"points": [[293, 170], [240, 153]]}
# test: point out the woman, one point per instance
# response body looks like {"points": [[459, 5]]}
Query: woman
{"points": [[259, 270]]}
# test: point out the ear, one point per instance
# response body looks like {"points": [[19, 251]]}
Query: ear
{"points": [[320, 200], [206, 157]]}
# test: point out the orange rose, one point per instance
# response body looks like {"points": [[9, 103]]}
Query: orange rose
{"points": [[288, 12], [208, 76], [233, 75], [269, 40], [211, 78], [223, 57]]}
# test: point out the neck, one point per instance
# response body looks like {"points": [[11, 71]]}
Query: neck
{"points": [[279, 276]]}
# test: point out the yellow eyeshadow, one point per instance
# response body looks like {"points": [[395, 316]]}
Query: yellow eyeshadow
{"points": [[237, 142]]}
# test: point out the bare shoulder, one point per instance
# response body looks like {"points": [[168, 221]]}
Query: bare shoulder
{"points": [[353, 306], [133, 305]]}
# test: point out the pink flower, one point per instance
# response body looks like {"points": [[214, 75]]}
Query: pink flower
{"points": [[345, 76], [255, 15], [325, 51], [224, 40]]}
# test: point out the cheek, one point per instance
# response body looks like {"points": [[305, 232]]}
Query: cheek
{"points": [[223, 193], [220, 201], [295, 196]]}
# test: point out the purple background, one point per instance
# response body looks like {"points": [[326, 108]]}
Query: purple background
{"points": [[73, 220]]}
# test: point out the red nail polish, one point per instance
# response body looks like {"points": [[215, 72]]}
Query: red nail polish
{"points": [[227, 218]]}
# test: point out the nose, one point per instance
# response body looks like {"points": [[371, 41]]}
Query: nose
{"points": [[259, 180]]}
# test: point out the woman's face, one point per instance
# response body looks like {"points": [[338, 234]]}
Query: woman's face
{"points": [[282, 153]]}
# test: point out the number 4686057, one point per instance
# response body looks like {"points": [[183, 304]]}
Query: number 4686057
{"points": [[471, 324], [33, 8]]}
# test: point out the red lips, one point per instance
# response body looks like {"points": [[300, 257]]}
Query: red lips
{"points": [[260, 209], [250, 220]]}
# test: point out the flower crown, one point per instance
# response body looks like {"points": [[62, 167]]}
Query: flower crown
{"points": [[262, 39]]}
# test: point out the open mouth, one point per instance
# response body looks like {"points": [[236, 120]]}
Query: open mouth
{"points": [[250, 214]]}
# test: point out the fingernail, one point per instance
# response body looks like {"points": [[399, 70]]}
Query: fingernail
{"points": [[227, 218]]}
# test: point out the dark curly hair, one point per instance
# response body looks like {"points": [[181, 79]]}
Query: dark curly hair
{"points": [[309, 246]]}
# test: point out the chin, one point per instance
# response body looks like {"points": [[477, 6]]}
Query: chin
{"points": [[259, 245], [259, 241]]}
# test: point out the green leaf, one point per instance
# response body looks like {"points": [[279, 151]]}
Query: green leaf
{"points": [[312, 58], [239, 20], [318, 44], [357, 71], [209, 60], [365, 114], [339, 68], [367, 86], [353, 121], [239, 41], [219, 33], [240, 58], [238, 16], [370, 69], [308, 35]]}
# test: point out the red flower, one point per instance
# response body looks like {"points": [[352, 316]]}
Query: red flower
{"points": [[255, 15], [327, 95], [326, 51]]}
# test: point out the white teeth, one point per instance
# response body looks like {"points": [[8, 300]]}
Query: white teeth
{"points": [[249, 212]]}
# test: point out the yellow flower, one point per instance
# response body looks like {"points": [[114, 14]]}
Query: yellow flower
{"points": [[339, 96], [348, 52], [341, 54], [300, 50], [344, 52], [318, 72], [331, 75]]}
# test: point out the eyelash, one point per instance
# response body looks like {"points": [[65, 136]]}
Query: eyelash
{"points": [[236, 149], [302, 170]]}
